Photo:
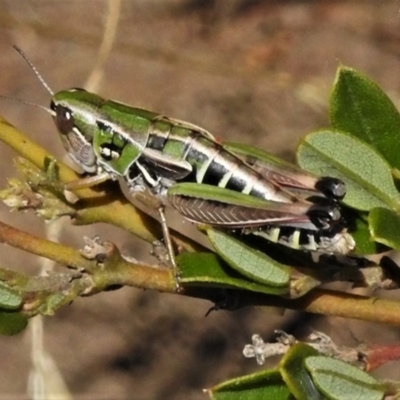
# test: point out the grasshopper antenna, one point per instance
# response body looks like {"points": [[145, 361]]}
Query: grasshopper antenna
{"points": [[29, 103], [34, 69]]}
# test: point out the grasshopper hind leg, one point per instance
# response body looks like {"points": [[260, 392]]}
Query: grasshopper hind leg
{"points": [[168, 244], [152, 201]]}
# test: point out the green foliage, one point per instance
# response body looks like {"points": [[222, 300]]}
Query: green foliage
{"points": [[360, 107], [208, 269], [248, 261], [385, 227], [303, 374], [259, 386], [367, 174], [12, 323], [337, 379], [362, 148], [10, 299]]}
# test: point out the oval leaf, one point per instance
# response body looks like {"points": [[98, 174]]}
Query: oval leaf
{"points": [[12, 323], [341, 381], [10, 299], [252, 263], [260, 386], [295, 374], [360, 107], [385, 227], [367, 175], [209, 269], [362, 236]]}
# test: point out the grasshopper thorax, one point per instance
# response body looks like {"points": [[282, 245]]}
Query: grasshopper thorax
{"points": [[75, 113]]}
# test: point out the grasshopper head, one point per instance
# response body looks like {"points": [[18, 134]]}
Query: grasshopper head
{"points": [[75, 112]]}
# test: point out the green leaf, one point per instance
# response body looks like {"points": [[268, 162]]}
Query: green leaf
{"points": [[341, 381], [360, 107], [385, 227], [10, 299], [252, 263], [12, 323], [364, 243], [367, 175], [295, 374], [260, 386], [209, 269]]}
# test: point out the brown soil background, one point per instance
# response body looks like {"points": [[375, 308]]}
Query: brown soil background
{"points": [[253, 71]]}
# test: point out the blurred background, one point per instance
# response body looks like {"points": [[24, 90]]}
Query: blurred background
{"points": [[248, 70]]}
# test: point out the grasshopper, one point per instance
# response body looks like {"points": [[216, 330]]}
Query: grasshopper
{"points": [[149, 151]]}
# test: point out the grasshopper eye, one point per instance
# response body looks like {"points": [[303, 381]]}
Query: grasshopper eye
{"points": [[64, 119]]}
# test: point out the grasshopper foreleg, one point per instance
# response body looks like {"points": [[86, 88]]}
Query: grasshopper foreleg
{"points": [[87, 182], [53, 181]]}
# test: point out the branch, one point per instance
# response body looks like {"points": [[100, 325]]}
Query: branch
{"points": [[101, 266]]}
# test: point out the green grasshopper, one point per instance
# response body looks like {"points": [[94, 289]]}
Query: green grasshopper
{"points": [[111, 140]]}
